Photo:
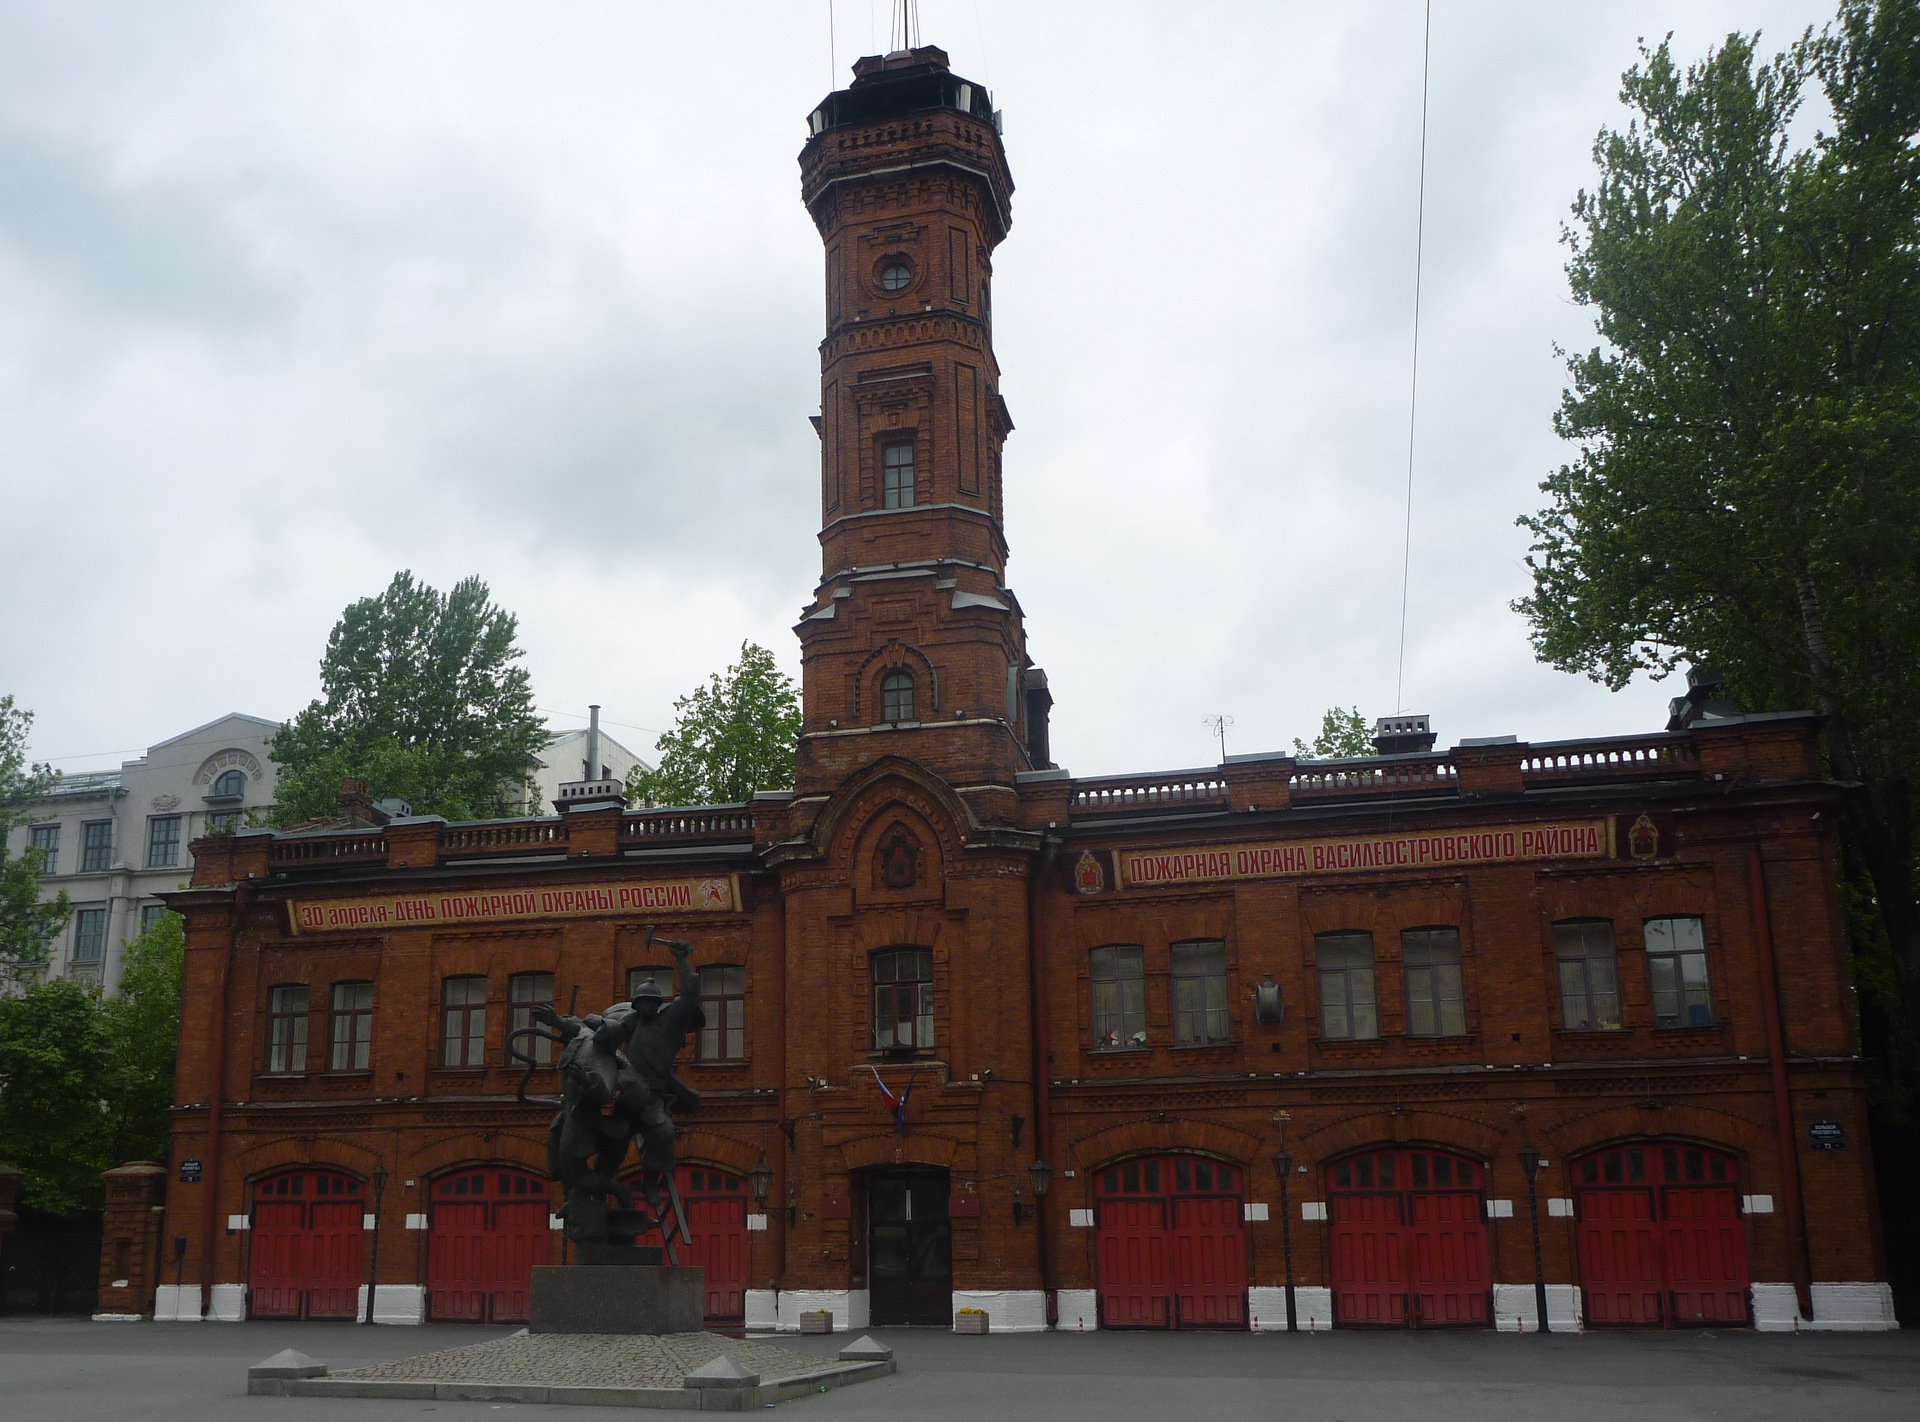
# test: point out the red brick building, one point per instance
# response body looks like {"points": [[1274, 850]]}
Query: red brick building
{"points": [[1107, 1014]]}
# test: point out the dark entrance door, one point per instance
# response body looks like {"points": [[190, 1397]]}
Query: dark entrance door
{"points": [[909, 1247]]}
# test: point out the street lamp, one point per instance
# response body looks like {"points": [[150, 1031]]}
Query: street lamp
{"points": [[760, 1181], [1283, 1167], [373, 1254], [1530, 1163]]}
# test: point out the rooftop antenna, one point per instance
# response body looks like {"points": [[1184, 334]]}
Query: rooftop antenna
{"points": [[905, 30], [1218, 725]]}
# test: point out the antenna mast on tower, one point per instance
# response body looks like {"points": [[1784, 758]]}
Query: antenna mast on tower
{"points": [[905, 31]]}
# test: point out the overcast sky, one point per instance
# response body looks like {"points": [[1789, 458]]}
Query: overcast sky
{"points": [[293, 296]]}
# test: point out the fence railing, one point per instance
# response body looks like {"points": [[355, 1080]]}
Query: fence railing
{"points": [[1175, 789], [521, 837], [733, 822], [1570, 761], [330, 849], [1393, 777]]}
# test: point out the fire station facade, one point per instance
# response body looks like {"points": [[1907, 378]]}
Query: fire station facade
{"points": [[1355, 1043]]}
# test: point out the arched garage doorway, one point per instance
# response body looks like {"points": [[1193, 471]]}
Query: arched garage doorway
{"points": [[487, 1226], [716, 1202], [1171, 1248], [1409, 1240], [1661, 1243], [307, 1249]]}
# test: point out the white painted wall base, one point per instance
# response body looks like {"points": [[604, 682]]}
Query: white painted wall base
{"points": [[763, 1310], [1775, 1309], [1078, 1310], [229, 1304], [848, 1307], [177, 1303], [1853, 1308], [1514, 1308], [394, 1303], [1008, 1310], [1312, 1308]]}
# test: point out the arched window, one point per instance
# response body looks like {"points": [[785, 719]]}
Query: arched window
{"points": [[896, 696], [230, 784]]}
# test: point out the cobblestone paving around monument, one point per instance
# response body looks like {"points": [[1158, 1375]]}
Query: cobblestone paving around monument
{"points": [[593, 1360]]}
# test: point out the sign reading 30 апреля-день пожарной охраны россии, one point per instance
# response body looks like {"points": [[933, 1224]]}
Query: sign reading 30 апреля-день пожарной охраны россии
{"points": [[717, 893]]}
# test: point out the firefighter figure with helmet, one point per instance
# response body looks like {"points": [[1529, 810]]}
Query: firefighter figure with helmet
{"points": [[618, 1087]]}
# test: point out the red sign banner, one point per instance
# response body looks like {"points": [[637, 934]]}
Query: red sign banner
{"points": [[1366, 853], [719, 893]]}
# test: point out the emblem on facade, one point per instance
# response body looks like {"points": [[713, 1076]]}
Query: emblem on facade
{"points": [[715, 893], [166, 802], [1643, 840], [1088, 876], [897, 866]]}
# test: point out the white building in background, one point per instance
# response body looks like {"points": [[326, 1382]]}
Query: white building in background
{"points": [[115, 840], [565, 760]]}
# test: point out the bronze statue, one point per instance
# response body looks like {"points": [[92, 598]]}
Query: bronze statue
{"points": [[617, 1086]]}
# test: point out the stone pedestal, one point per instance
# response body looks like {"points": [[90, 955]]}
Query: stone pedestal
{"points": [[617, 1298]]}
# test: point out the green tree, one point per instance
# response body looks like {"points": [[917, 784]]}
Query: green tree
{"points": [[55, 1084], [1746, 487], [142, 1027], [26, 924], [421, 698], [731, 737], [1343, 732]]}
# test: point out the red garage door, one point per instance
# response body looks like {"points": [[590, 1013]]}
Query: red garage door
{"points": [[1409, 1240], [716, 1202], [307, 1246], [1661, 1244], [1171, 1249], [486, 1229]]}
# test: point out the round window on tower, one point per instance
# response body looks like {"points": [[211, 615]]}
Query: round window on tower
{"points": [[896, 274]]}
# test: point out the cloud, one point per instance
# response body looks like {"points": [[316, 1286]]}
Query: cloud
{"points": [[291, 297]]}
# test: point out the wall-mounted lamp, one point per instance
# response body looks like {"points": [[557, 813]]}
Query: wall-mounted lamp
{"points": [[1269, 1005], [760, 1181], [1040, 1177]]}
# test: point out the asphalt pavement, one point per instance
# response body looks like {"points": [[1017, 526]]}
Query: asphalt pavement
{"points": [[70, 1369]]}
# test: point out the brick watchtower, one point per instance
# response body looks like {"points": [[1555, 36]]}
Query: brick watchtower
{"points": [[912, 631]]}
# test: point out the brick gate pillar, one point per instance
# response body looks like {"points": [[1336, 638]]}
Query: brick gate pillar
{"points": [[130, 1239]]}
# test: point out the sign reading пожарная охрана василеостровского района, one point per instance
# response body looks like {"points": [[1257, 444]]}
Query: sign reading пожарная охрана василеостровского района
{"points": [[1363, 853]]}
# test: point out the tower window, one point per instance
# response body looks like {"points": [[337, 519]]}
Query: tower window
{"points": [[897, 477], [896, 274], [896, 696]]}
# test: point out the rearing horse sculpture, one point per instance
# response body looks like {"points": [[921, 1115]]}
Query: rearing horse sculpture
{"points": [[617, 1084]]}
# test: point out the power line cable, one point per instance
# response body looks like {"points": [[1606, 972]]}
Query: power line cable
{"points": [[1413, 389]]}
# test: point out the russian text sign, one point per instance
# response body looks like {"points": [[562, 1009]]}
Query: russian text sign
{"points": [[718, 893], [1366, 853]]}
